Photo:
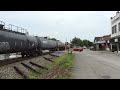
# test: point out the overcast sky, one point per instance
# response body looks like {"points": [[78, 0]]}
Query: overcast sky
{"points": [[61, 25]]}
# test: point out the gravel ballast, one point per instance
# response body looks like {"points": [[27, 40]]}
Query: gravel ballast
{"points": [[8, 72]]}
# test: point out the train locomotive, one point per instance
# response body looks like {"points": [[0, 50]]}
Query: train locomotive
{"points": [[28, 45]]}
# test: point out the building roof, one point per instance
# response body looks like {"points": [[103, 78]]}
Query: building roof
{"points": [[97, 38], [106, 37], [115, 15]]}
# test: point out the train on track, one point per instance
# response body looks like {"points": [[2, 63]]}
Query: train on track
{"points": [[28, 45]]}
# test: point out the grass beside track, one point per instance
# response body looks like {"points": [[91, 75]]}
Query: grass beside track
{"points": [[61, 69]]}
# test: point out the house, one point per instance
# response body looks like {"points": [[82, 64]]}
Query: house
{"points": [[115, 32], [102, 43]]}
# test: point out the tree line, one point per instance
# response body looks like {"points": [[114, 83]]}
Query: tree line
{"points": [[79, 42]]}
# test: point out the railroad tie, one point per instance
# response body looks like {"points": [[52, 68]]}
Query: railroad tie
{"points": [[43, 67], [27, 66], [48, 59], [21, 72]]}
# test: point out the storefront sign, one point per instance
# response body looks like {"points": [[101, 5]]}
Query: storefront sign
{"points": [[101, 41], [116, 40], [103, 44]]}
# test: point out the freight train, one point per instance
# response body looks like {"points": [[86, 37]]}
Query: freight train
{"points": [[28, 45]]}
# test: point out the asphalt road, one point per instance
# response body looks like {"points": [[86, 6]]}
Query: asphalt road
{"points": [[96, 65]]}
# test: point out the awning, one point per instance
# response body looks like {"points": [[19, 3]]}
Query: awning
{"points": [[100, 42], [116, 37]]}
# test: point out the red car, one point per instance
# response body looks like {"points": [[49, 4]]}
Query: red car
{"points": [[78, 48]]}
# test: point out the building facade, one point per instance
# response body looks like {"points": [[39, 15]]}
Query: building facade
{"points": [[102, 43], [115, 32]]}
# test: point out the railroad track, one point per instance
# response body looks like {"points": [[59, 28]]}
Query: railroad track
{"points": [[23, 74], [19, 71], [19, 59], [24, 67]]}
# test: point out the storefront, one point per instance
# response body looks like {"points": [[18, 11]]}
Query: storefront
{"points": [[115, 44], [102, 43]]}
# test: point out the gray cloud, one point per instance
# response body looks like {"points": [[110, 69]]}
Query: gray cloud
{"points": [[62, 24]]}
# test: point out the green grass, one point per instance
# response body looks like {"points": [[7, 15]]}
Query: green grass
{"points": [[65, 62]]}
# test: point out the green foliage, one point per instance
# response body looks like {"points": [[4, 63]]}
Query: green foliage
{"points": [[66, 62], [79, 42], [53, 39]]}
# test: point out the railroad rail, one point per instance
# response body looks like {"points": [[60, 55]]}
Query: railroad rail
{"points": [[19, 59], [53, 55]]}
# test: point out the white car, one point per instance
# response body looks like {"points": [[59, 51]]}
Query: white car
{"points": [[84, 47]]}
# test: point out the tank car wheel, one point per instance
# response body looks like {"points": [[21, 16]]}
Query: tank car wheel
{"points": [[40, 53], [27, 55]]}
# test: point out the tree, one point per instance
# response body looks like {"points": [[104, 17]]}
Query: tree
{"points": [[90, 43], [53, 39], [85, 42], [79, 42]]}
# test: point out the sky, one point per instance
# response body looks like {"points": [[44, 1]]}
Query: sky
{"points": [[62, 25]]}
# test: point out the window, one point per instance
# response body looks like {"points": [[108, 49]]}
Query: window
{"points": [[114, 29], [119, 26]]}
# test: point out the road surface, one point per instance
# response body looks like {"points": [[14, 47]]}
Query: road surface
{"points": [[96, 65]]}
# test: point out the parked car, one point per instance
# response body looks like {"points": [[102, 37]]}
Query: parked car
{"points": [[84, 47], [78, 48], [91, 48]]}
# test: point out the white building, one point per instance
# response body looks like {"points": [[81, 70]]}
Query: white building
{"points": [[115, 31], [115, 25]]}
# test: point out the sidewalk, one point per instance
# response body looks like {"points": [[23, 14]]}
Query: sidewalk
{"points": [[110, 52]]}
